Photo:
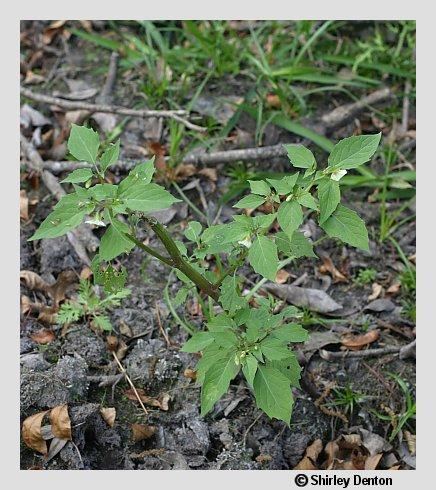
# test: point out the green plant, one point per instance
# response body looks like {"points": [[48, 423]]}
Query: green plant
{"points": [[346, 398], [88, 305], [240, 337], [398, 421], [365, 276]]}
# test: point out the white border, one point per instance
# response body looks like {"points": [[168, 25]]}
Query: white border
{"points": [[224, 9]]}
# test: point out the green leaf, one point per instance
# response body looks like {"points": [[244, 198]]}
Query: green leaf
{"points": [[263, 257], [252, 201], [329, 197], [306, 199], [229, 297], [290, 216], [147, 197], [77, 176], [67, 214], [297, 246], [141, 174], [225, 338], [354, 151], [290, 368], [103, 322], [300, 156], [181, 296], [100, 192], [217, 381], [274, 349], [198, 342], [284, 185], [83, 143], [346, 225], [113, 242], [227, 233], [110, 155], [193, 231], [273, 393], [259, 187], [211, 355], [263, 221], [292, 332], [249, 368]]}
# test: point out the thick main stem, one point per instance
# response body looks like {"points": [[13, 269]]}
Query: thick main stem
{"points": [[176, 259]]}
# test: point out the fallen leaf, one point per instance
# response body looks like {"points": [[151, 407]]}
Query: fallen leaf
{"points": [[311, 455], [31, 433], [273, 100], [125, 329], [58, 290], [412, 258], [282, 276], [184, 170], [56, 447], [209, 173], [33, 281], [328, 267], [158, 150], [160, 402], [25, 304], [141, 432], [376, 291], [380, 305], [109, 415], [356, 342], [394, 288], [60, 422], [263, 458], [43, 336], [32, 78], [50, 32], [111, 342], [24, 205], [47, 314], [372, 462], [85, 273], [313, 299], [411, 442], [122, 349], [190, 373]]}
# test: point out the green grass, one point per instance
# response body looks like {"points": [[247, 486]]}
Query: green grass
{"points": [[365, 276]]}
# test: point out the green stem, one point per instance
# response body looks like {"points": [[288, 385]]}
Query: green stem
{"points": [[149, 250], [178, 261]]}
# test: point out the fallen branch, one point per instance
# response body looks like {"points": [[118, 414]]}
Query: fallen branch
{"points": [[111, 109], [330, 121], [81, 238], [404, 352]]}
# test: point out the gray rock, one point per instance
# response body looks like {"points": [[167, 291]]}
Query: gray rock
{"points": [[87, 344], [63, 383], [58, 255]]}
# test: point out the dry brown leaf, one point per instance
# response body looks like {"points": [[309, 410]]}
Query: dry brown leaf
{"points": [[273, 100], [328, 267], [356, 342], [376, 291], [412, 258], [160, 402], [58, 290], [125, 329], [209, 173], [311, 455], [190, 373], [411, 442], [122, 349], [52, 30], [60, 422], [141, 432], [31, 433], [111, 342], [24, 205], [282, 276], [159, 151], [108, 415], [372, 462], [47, 314], [394, 288], [25, 304], [85, 273], [33, 281], [43, 336], [263, 458], [32, 78], [184, 170], [332, 450]]}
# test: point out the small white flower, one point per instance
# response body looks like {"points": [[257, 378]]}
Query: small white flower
{"points": [[96, 222], [246, 242], [338, 174]]}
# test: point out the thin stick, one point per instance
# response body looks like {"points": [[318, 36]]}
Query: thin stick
{"points": [[111, 109], [159, 322], [390, 349], [122, 369]]}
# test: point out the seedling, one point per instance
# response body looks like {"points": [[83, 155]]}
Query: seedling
{"points": [[90, 306], [239, 337], [366, 276]]}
